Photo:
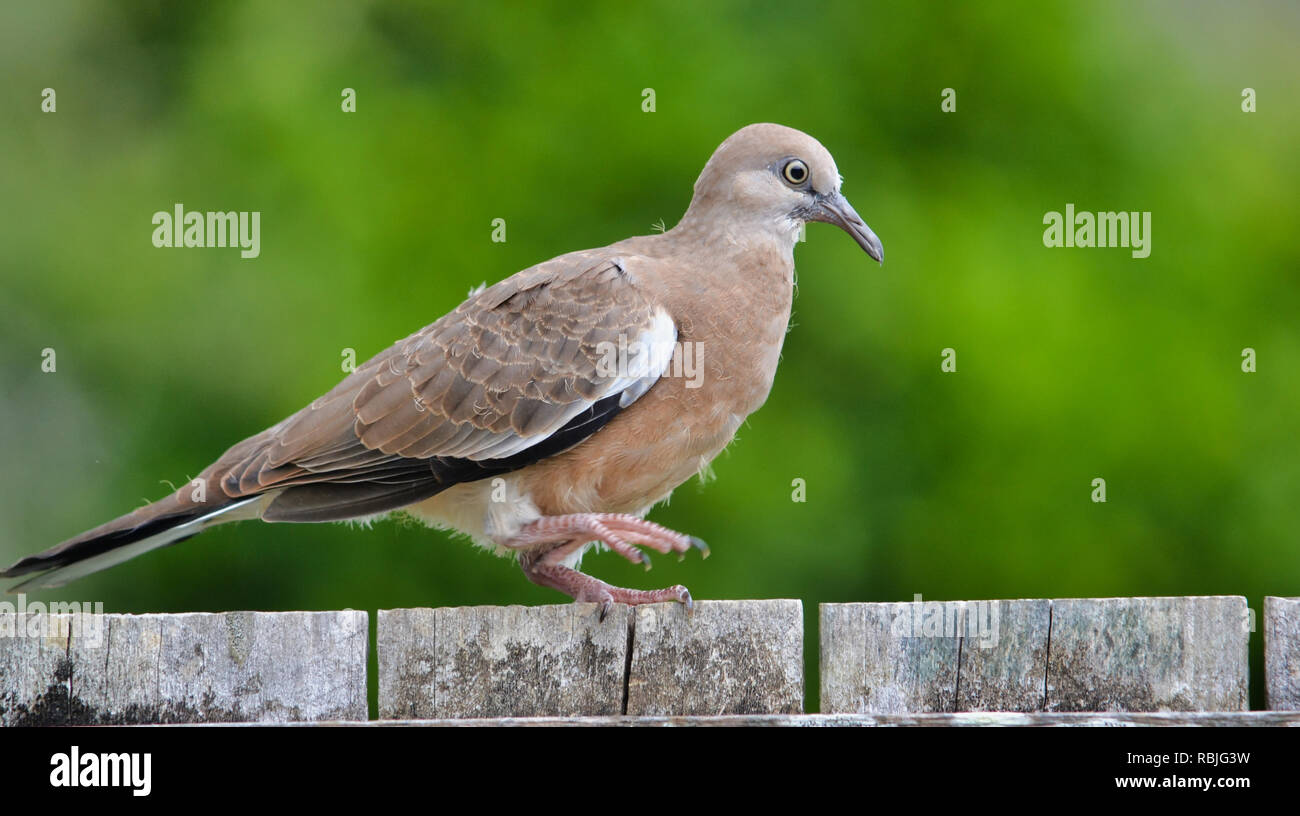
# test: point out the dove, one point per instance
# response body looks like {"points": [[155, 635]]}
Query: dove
{"points": [[546, 414]]}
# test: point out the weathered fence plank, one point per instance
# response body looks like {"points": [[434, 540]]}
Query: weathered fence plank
{"points": [[496, 661], [871, 662], [727, 657], [1282, 652], [189, 668], [35, 673], [933, 656], [1112, 654], [1004, 663], [1149, 654]]}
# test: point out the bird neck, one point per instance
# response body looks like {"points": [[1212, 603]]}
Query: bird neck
{"points": [[737, 234]]}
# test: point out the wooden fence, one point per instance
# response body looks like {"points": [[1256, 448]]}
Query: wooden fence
{"points": [[1125, 661]]}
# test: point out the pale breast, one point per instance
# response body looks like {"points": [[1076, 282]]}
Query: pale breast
{"points": [[729, 344]]}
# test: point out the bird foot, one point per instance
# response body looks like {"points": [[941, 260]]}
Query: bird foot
{"points": [[546, 542], [582, 587]]}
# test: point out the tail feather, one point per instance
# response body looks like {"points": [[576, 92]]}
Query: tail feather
{"points": [[157, 525]]}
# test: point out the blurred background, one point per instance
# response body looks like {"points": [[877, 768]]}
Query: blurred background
{"points": [[1072, 364]]}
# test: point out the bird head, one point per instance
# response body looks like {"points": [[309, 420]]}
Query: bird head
{"points": [[779, 177]]}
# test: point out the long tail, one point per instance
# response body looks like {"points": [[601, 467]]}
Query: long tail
{"points": [[164, 522]]}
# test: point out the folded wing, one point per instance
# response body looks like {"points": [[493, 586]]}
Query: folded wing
{"points": [[520, 371]]}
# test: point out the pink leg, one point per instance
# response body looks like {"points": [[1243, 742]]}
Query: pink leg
{"points": [[544, 543]]}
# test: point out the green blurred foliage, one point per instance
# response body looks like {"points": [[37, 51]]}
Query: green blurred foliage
{"points": [[1072, 364]]}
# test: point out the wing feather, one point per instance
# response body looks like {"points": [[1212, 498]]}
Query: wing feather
{"points": [[518, 368]]}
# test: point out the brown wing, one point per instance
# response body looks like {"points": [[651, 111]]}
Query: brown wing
{"points": [[512, 375]]}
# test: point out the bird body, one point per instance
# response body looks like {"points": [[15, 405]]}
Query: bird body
{"points": [[504, 420], [647, 446]]}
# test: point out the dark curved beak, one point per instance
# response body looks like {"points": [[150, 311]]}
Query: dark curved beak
{"points": [[834, 208]]}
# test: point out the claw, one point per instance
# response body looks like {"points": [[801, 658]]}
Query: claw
{"points": [[645, 559], [605, 606], [686, 600], [698, 543]]}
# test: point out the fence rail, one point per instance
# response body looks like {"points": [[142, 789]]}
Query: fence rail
{"points": [[1114, 661]]}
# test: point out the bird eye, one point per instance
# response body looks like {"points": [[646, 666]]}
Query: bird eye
{"points": [[795, 172]]}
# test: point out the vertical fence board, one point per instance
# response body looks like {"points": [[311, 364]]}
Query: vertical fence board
{"points": [[1282, 652], [1109, 654], [35, 672], [727, 657], [1149, 654], [1005, 669], [198, 667], [501, 661], [877, 658]]}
